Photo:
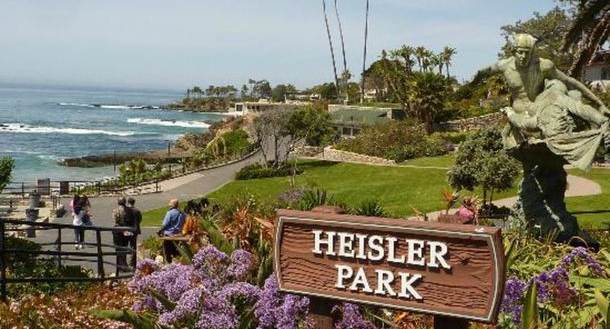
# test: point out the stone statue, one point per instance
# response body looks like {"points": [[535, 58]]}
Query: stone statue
{"points": [[549, 126]]}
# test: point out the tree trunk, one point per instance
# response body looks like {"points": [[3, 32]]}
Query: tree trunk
{"points": [[330, 43], [366, 34]]}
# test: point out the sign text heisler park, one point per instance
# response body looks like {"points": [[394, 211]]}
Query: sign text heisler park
{"points": [[441, 269]]}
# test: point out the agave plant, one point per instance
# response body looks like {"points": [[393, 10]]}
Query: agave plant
{"points": [[370, 208], [315, 198]]}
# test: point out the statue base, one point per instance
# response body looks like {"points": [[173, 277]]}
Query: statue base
{"points": [[542, 195]]}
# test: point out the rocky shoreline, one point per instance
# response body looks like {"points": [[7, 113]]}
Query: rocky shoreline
{"points": [[92, 161]]}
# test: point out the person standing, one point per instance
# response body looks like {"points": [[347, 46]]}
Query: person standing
{"points": [[77, 221], [172, 225], [122, 217], [137, 221]]}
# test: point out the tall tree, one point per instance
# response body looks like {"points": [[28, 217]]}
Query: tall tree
{"points": [[366, 35], [589, 30], [330, 43], [345, 75], [447, 57], [420, 53], [549, 28]]}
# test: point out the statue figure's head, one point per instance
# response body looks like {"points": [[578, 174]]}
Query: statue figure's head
{"points": [[523, 47]]}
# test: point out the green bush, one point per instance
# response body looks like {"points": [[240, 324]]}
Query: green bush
{"points": [[153, 246], [259, 171], [396, 140], [23, 265]]}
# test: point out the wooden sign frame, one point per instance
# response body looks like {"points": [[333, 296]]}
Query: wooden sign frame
{"points": [[299, 224]]}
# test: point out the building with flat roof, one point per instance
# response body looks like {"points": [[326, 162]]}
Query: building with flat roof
{"points": [[262, 106], [349, 120]]}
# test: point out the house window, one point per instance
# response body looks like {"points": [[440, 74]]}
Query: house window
{"points": [[346, 131]]}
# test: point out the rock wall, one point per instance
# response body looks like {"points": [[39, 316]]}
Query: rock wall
{"points": [[483, 121], [332, 154]]}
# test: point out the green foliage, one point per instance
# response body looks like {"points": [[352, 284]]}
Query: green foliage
{"points": [[482, 161], [529, 318], [370, 207], [229, 145], [281, 91], [137, 320], [396, 140], [153, 245], [550, 29], [23, 265], [312, 124], [327, 91], [315, 198], [257, 170], [423, 93], [6, 167]]}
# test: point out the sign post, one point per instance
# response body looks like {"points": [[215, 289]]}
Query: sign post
{"points": [[454, 272]]}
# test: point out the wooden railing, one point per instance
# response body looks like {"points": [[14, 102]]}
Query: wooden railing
{"points": [[60, 255]]}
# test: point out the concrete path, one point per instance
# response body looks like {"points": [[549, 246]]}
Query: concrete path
{"points": [[182, 188]]}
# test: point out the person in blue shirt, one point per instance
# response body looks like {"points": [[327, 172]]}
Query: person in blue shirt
{"points": [[172, 225]]}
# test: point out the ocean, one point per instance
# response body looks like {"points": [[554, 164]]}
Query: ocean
{"points": [[41, 126]]}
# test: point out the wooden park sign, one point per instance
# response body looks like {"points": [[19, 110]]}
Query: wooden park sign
{"points": [[447, 270]]}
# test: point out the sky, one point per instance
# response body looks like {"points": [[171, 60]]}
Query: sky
{"points": [[162, 44]]}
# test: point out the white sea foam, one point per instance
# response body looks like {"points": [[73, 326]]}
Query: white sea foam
{"points": [[169, 123], [27, 129], [77, 104], [111, 106]]}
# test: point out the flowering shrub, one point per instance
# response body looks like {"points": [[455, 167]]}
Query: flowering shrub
{"points": [[214, 292], [566, 289]]}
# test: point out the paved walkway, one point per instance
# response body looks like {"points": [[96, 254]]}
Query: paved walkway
{"points": [[182, 188]]}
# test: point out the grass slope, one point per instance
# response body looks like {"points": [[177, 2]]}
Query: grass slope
{"points": [[399, 189]]}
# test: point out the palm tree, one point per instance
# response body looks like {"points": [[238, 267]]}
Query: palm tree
{"points": [[366, 35], [345, 72], [589, 30], [330, 43], [437, 60], [420, 53], [447, 56]]}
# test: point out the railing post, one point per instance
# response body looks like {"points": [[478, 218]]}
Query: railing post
{"points": [[100, 258], [59, 247], [3, 292], [22, 190]]}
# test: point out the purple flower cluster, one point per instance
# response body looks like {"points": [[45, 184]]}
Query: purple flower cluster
{"points": [[583, 254], [277, 310], [212, 293], [352, 318], [552, 286], [512, 302], [204, 294]]}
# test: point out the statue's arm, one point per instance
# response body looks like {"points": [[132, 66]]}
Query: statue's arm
{"points": [[575, 84]]}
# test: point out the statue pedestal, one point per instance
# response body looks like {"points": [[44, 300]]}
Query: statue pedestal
{"points": [[542, 196]]}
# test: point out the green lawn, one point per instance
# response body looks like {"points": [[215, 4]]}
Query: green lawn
{"points": [[445, 161], [399, 189], [592, 211]]}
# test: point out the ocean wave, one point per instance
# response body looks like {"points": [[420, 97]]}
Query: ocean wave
{"points": [[27, 129], [169, 123], [112, 106], [48, 157]]}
